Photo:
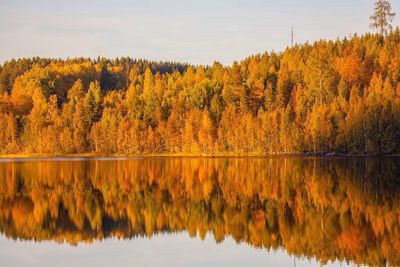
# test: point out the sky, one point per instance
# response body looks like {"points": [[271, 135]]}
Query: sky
{"points": [[192, 31]]}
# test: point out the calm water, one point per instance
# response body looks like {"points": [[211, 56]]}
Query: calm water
{"points": [[200, 212]]}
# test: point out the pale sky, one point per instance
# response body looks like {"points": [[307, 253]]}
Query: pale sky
{"points": [[193, 31]]}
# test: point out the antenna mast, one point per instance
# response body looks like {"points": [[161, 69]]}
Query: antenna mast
{"points": [[292, 37]]}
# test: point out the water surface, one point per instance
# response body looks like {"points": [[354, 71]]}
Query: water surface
{"points": [[200, 212]]}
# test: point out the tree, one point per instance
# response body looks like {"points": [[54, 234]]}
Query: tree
{"points": [[319, 129], [98, 137], [8, 134], [284, 87], [319, 76], [79, 129], [149, 97], [382, 18], [92, 104], [133, 102], [54, 125], [233, 85], [173, 132], [206, 133], [107, 80], [33, 135], [76, 92]]}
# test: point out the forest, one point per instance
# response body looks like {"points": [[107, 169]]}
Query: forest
{"points": [[339, 96], [325, 209]]}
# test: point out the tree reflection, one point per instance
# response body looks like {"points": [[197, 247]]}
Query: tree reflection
{"points": [[330, 209]]}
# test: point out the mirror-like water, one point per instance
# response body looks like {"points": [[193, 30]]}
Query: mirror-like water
{"points": [[200, 211]]}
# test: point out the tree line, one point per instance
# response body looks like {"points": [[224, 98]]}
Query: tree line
{"points": [[329, 96]]}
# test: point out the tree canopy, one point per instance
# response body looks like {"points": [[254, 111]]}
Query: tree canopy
{"points": [[330, 96]]}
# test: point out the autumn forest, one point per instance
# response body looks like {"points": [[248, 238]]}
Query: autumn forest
{"points": [[339, 96]]}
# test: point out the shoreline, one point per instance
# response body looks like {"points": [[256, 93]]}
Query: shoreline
{"points": [[185, 155]]}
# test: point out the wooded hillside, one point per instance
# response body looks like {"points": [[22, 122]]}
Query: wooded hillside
{"points": [[329, 96]]}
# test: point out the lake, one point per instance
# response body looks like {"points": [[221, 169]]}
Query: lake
{"points": [[200, 212]]}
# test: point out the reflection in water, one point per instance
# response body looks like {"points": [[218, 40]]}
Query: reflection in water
{"points": [[328, 209]]}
